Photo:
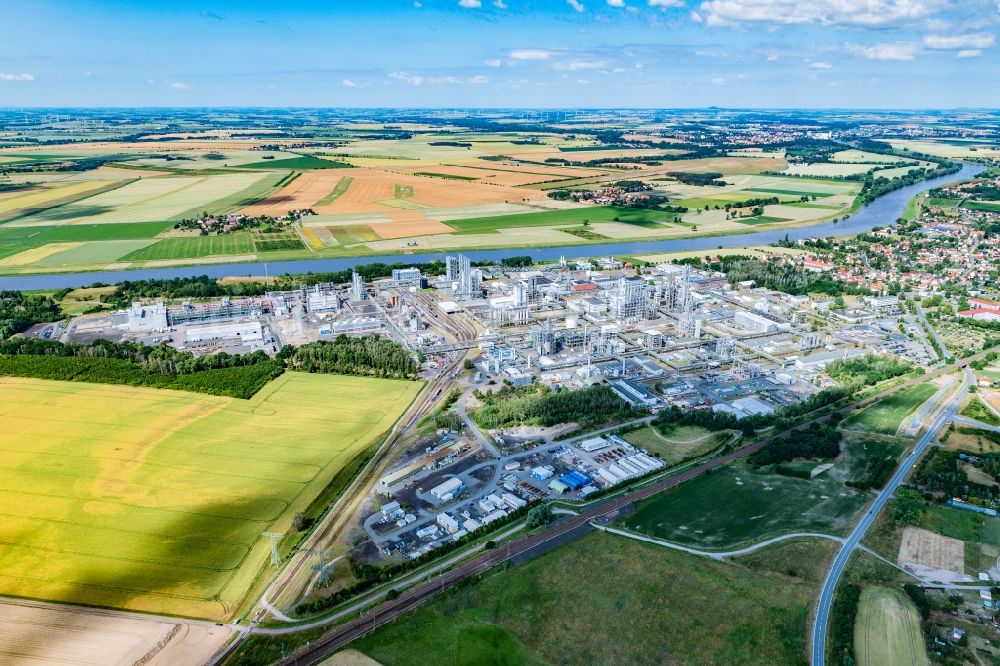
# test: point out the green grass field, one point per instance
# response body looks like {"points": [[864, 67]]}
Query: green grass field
{"points": [[607, 600], [980, 533], [761, 219], [561, 218], [194, 246], [988, 206], [887, 630], [340, 188], [799, 193], [19, 239], [95, 252], [683, 443], [757, 506], [301, 163], [885, 416], [446, 176], [155, 500]]}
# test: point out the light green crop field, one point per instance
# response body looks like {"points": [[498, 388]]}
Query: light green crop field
{"points": [[561, 217], [885, 416], [604, 599], [758, 506], [887, 630], [194, 246], [19, 239], [155, 500], [94, 252], [148, 199]]}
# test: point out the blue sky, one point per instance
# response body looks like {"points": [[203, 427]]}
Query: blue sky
{"points": [[509, 53]]}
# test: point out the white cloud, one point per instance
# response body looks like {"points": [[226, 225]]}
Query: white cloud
{"points": [[772, 57], [666, 3], [974, 41], [499, 4], [413, 80], [417, 4], [470, 4], [616, 3], [583, 82], [866, 13], [353, 84], [176, 85], [531, 54], [575, 4], [901, 51], [4, 76], [494, 62], [577, 65], [820, 65], [718, 80], [969, 53], [479, 79]]}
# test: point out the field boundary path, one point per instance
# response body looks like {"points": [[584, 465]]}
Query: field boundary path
{"points": [[721, 555]]}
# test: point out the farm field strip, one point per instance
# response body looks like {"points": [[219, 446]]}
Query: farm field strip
{"points": [[154, 500], [887, 630], [886, 416], [146, 200], [764, 505], [193, 246]]}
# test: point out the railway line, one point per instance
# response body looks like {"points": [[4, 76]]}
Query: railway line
{"points": [[386, 611]]}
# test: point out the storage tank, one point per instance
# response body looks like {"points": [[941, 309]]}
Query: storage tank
{"points": [[572, 321]]}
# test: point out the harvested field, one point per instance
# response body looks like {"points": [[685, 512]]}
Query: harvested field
{"points": [[33, 635], [145, 200], [155, 500], [887, 630], [28, 257], [931, 550], [39, 198], [306, 191], [827, 169]]}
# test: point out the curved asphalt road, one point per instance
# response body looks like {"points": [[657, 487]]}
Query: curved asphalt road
{"points": [[840, 562]]}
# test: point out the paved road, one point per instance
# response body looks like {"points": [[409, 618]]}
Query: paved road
{"points": [[345, 633], [944, 416]]}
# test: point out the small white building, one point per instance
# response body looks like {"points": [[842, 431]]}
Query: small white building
{"points": [[449, 524], [447, 489]]}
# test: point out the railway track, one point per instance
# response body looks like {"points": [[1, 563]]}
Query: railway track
{"points": [[345, 633]]}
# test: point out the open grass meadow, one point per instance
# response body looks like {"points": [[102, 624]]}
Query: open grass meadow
{"points": [[757, 506], [887, 630], [19, 239], [155, 500], [561, 217], [194, 246], [546, 611], [885, 416], [682, 443]]}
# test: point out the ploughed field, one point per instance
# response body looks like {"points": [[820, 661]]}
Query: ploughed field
{"points": [[156, 500]]}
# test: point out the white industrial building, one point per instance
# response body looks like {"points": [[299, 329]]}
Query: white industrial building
{"points": [[754, 322], [244, 332], [446, 490], [449, 524], [143, 318]]}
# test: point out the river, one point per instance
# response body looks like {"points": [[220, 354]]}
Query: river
{"points": [[882, 212]]}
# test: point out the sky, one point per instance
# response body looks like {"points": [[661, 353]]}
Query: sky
{"points": [[502, 53]]}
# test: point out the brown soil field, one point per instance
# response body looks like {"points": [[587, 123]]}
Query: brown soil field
{"points": [[35, 634], [370, 187], [932, 550], [303, 192], [406, 223], [511, 175]]}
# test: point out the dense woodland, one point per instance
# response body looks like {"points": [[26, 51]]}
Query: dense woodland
{"points": [[367, 355], [816, 441], [541, 406], [20, 311], [868, 370]]}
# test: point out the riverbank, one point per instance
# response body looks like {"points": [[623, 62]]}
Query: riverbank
{"points": [[884, 211]]}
